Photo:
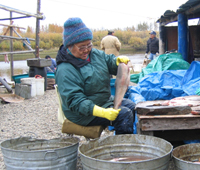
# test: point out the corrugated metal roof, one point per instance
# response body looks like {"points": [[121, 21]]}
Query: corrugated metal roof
{"points": [[189, 4], [191, 8]]}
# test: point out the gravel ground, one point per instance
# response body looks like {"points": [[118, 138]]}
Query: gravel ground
{"points": [[37, 115]]}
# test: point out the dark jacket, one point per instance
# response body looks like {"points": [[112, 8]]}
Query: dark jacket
{"points": [[153, 45], [83, 84]]}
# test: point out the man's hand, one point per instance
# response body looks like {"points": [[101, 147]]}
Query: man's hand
{"points": [[157, 54], [145, 55]]}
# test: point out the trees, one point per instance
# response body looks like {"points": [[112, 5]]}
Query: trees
{"points": [[51, 37], [142, 26]]}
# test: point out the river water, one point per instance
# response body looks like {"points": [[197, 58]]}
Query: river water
{"points": [[21, 67]]}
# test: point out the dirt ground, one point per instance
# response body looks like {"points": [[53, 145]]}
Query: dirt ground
{"points": [[37, 115]]}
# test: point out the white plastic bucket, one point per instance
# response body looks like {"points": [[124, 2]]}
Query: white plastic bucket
{"points": [[39, 86], [30, 81]]}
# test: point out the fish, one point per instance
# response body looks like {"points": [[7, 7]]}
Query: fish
{"points": [[195, 112], [121, 83], [6, 58], [190, 98], [191, 101], [130, 158]]}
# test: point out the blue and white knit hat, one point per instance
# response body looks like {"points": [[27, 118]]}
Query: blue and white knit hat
{"points": [[75, 31]]}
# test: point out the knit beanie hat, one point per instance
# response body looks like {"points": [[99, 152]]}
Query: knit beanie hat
{"points": [[75, 31]]}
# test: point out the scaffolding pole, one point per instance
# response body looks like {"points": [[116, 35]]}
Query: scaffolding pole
{"points": [[37, 31], [11, 48]]}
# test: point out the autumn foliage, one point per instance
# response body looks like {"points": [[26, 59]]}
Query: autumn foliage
{"points": [[51, 37]]}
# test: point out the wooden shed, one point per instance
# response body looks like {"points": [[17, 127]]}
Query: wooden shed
{"points": [[184, 38]]}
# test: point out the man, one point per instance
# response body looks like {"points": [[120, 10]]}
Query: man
{"points": [[51, 68], [152, 46], [111, 44]]}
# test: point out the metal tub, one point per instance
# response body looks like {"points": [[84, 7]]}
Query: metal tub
{"points": [[26, 153], [187, 157], [96, 154]]}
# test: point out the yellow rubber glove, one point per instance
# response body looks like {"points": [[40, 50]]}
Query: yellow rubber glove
{"points": [[122, 59], [109, 113]]}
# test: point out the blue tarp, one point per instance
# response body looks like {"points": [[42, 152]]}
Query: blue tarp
{"points": [[165, 85]]}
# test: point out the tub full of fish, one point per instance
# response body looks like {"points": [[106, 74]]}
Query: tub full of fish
{"points": [[130, 151]]}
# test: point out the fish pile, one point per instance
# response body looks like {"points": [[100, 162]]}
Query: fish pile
{"points": [[176, 106], [192, 101]]}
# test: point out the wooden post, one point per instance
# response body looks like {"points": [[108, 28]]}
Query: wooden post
{"points": [[11, 47], [162, 39], [37, 31], [24, 41]]}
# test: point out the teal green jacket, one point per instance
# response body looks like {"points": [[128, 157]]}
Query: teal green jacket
{"points": [[83, 84]]}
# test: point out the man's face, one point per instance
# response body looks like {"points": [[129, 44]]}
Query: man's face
{"points": [[82, 49], [152, 36]]}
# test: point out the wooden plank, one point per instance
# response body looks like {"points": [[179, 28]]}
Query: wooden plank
{"points": [[11, 98], [164, 110], [37, 44], [167, 116], [177, 122], [24, 41], [19, 52], [12, 26], [21, 12], [17, 38], [11, 49]]}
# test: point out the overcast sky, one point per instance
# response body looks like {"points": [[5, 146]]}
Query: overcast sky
{"points": [[103, 14]]}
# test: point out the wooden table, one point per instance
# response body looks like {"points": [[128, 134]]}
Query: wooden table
{"points": [[170, 127]]}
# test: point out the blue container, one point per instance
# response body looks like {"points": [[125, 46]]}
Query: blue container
{"points": [[18, 77], [110, 128], [112, 86], [51, 75]]}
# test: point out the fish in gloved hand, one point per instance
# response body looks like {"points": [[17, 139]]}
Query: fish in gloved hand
{"points": [[121, 83]]}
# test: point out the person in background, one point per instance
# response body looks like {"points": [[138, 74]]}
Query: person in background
{"points": [[111, 44], [51, 68], [82, 76], [152, 46]]}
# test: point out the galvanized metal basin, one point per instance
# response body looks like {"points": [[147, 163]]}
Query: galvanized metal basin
{"points": [[97, 154], [187, 157], [27, 153]]}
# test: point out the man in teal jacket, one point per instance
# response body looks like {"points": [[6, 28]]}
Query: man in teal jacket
{"points": [[83, 79]]}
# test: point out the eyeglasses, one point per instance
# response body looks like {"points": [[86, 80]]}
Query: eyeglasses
{"points": [[83, 48]]}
